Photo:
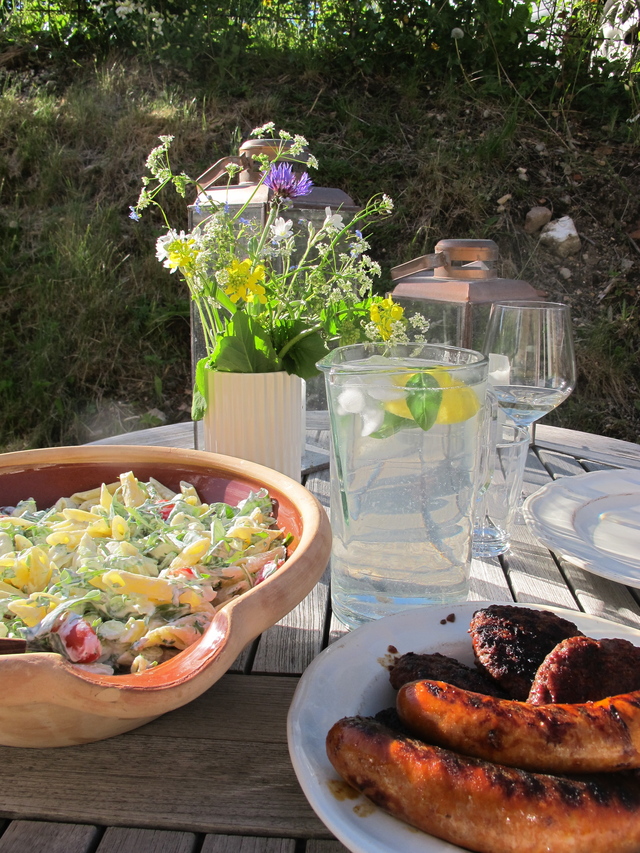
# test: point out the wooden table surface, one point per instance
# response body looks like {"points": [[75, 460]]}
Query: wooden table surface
{"points": [[215, 775]]}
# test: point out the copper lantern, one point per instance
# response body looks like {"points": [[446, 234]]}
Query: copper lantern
{"points": [[454, 289]]}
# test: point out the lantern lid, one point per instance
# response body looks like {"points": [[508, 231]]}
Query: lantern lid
{"points": [[249, 175], [458, 271], [240, 194], [438, 289]]}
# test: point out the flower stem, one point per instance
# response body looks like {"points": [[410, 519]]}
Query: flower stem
{"points": [[304, 334]]}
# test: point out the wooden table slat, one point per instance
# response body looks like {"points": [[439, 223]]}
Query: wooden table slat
{"points": [[602, 597], [291, 644], [29, 836], [533, 573], [238, 844], [535, 474], [319, 846], [219, 764], [560, 465], [586, 445], [119, 839], [487, 581]]}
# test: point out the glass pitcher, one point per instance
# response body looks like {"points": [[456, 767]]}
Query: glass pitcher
{"points": [[407, 426]]}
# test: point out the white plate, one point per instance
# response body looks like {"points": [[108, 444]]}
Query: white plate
{"points": [[593, 520], [350, 678]]}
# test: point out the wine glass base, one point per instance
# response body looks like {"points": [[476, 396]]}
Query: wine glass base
{"points": [[489, 542]]}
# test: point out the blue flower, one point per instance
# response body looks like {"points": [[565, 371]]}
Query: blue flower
{"points": [[285, 184], [134, 214]]}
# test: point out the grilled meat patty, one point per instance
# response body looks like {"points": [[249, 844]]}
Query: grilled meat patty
{"points": [[581, 669], [510, 643], [437, 667]]}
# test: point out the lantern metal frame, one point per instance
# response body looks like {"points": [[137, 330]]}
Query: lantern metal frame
{"points": [[460, 273]]}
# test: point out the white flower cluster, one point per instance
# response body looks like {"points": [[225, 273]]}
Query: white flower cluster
{"points": [[298, 144], [398, 332], [125, 8]]}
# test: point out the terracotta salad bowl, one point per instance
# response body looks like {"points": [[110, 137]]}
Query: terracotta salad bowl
{"points": [[48, 701]]}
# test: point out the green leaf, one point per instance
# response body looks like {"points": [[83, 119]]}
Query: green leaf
{"points": [[245, 348], [199, 401], [345, 321], [301, 359], [198, 406], [393, 424], [424, 399]]}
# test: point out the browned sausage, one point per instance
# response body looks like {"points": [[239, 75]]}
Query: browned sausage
{"points": [[482, 806], [588, 738]]}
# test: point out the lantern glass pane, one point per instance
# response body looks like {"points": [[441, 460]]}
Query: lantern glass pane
{"points": [[480, 319], [446, 319]]}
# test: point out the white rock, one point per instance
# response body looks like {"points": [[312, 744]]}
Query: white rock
{"points": [[565, 273], [158, 415], [561, 237]]}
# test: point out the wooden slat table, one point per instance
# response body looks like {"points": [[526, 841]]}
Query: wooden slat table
{"points": [[215, 775]]}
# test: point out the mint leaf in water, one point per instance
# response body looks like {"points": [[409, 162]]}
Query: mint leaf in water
{"points": [[424, 399], [391, 425]]}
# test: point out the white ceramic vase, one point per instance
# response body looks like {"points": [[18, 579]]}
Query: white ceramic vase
{"points": [[256, 416]]}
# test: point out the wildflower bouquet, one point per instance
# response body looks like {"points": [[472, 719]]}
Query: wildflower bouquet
{"points": [[272, 297]]}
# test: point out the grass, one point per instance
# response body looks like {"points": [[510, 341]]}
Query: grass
{"points": [[94, 333]]}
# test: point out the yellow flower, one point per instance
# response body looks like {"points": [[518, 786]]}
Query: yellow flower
{"points": [[244, 283], [181, 254], [384, 314]]}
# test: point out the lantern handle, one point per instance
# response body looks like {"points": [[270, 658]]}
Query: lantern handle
{"points": [[215, 172], [245, 161], [421, 264]]}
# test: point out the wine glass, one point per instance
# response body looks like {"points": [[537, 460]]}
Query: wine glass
{"points": [[531, 358]]}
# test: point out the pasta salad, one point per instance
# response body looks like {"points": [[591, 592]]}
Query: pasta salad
{"points": [[124, 576]]}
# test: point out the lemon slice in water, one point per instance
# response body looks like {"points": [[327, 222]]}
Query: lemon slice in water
{"points": [[399, 406], [458, 402]]}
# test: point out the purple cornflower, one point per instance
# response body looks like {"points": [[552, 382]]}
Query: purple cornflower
{"points": [[134, 214], [285, 184]]}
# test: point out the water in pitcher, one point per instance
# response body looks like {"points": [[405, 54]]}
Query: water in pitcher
{"points": [[404, 462]]}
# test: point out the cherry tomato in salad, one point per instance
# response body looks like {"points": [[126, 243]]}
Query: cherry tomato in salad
{"points": [[181, 572], [165, 511], [79, 640]]}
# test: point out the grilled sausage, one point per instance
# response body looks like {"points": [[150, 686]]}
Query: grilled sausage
{"points": [[592, 737], [485, 807]]}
